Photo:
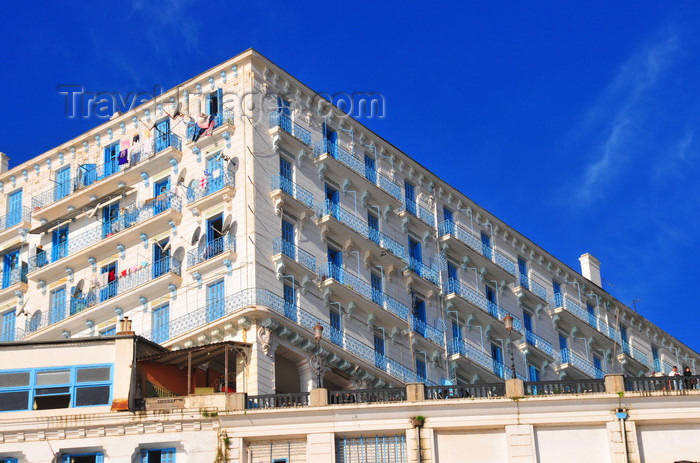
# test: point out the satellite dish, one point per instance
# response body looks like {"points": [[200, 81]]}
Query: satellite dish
{"points": [[227, 224], [231, 166], [181, 177], [179, 254], [203, 240], [195, 236], [78, 289]]}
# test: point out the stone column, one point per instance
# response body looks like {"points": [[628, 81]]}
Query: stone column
{"points": [[261, 369], [306, 376], [520, 440], [320, 447]]}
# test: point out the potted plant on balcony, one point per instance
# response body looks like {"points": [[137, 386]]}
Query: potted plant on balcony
{"points": [[418, 421]]}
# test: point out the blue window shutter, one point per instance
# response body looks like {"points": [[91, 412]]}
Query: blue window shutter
{"points": [[287, 232], [144, 456], [220, 100], [99, 457], [167, 455], [65, 459], [14, 212], [527, 321], [285, 169]]}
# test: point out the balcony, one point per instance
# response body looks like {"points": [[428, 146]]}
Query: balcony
{"points": [[285, 193], [574, 313], [429, 332], [496, 265], [467, 299], [346, 225], [212, 254], [96, 303], [475, 361], [633, 359], [222, 122], [288, 134], [567, 359], [148, 219], [95, 182], [345, 286], [421, 220], [11, 222], [428, 275], [346, 165], [13, 281], [543, 346], [217, 190], [529, 291], [192, 324], [291, 256]]}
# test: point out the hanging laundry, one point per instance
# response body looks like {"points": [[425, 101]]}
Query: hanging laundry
{"points": [[123, 157], [203, 183], [125, 144], [217, 173]]}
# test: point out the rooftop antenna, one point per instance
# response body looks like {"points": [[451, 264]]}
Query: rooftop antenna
{"points": [[634, 304]]}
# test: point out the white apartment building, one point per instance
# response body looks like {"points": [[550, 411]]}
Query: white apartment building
{"points": [[284, 214]]}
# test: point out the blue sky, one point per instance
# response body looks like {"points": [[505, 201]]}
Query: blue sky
{"points": [[575, 124]]}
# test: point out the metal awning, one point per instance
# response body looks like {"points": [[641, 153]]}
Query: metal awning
{"points": [[212, 354]]}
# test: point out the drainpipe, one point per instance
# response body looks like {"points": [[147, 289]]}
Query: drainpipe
{"points": [[417, 425], [622, 416]]}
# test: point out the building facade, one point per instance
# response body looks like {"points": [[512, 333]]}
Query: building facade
{"points": [[240, 206]]}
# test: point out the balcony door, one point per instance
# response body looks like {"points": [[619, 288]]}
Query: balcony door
{"points": [[111, 159], [215, 301], [10, 264], [162, 135], [62, 187], [161, 258], [59, 243], [14, 209]]}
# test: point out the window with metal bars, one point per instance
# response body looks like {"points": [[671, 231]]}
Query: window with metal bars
{"points": [[371, 449], [287, 451]]}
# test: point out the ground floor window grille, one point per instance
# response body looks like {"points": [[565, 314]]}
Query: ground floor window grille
{"points": [[293, 451], [371, 449]]}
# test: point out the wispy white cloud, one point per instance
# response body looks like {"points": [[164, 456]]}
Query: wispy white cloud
{"points": [[619, 113], [674, 163]]}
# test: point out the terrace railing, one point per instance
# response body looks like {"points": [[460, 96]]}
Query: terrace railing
{"points": [[457, 287], [278, 119], [211, 249], [304, 196], [579, 386], [294, 252], [12, 218], [473, 391], [296, 399], [396, 394]]}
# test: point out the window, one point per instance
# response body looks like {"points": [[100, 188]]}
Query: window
{"points": [[288, 248], [158, 456], [161, 258], [497, 356], [61, 387], [492, 303], [108, 285], [415, 255], [533, 373], [486, 246], [624, 340], [452, 273], [111, 165], [283, 107], [110, 219], [409, 193], [12, 272], [335, 264], [286, 177], [656, 358], [8, 326], [522, 270], [59, 243], [379, 359], [456, 332], [564, 348], [111, 331], [598, 365], [420, 370], [377, 291], [215, 301], [14, 208], [591, 315], [58, 305], [332, 201], [8, 460], [215, 174], [62, 186], [373, 222], [161, 324], [558, 298], [214, 102], [370, 169], [290, 303], [419, 320], [448, 220], [330, 138], [336, 329], [162, 135], [379, 448], [83, 458]]}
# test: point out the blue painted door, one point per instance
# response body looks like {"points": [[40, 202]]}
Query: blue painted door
{"points": [[420, 370], [491, 298], [623, 338], [336, 332], [527, 321], [110, 219], [331, 140], [332, 201], [215, 167], [286, 183], [335, 264], [456, 331], [290, 303], [379, 359], [486, 246], [62, 188], [288, 234], [533, 373], [87, 173], [59, 243], [162, 135], [558, 298], [111, 159], [591, 315], [564, 349], [110, 288], [373, 222], [452, 274], [161, 324], [161, 259], [522, 270], [10, 266], [449, 221], [8, 326], [14, 209], [598, 365], [58, 305], [283, 107], [370, 169], [216, 301], [415, 255], [377, 291], [497, 355], [409, 194], [419, 325]]}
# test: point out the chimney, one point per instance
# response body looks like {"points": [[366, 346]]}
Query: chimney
{"points": [[590, 268], [125, 326], [4, 163]]}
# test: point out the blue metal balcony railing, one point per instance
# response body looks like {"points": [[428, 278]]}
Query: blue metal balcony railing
{"points": [[427, 331], [423, 271], [88, 175], [100, 293], [262, 297], [358, 165], [560, 300], [453, 286], [354, 282], [219, 119], [462, 347], [123, 284], [635, 353], [294, 252], [539, 342], [361, 227], [211, 249], [419, 211], [533, 286], [467, 238], [131, 217], [15, 275], [293, 189], [566, 356], [292, 128], [12, 218], [215, 182]]}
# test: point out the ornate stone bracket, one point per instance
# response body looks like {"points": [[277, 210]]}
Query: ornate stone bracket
{"points": [[268, 340]]}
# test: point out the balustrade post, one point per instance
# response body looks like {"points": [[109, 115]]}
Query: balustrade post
{"points": [[236, 401], [614, 384], [318, 397], [515, 388], [415, 392]]}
